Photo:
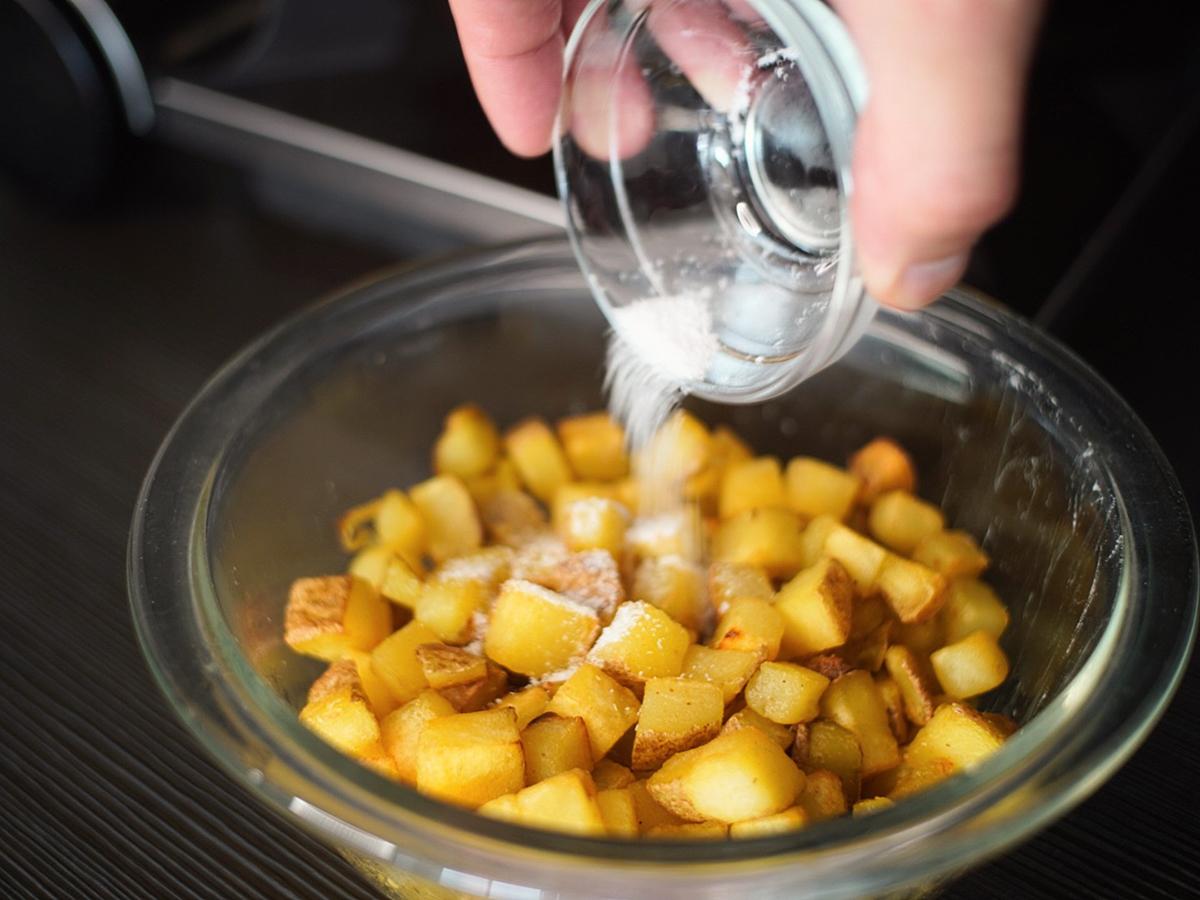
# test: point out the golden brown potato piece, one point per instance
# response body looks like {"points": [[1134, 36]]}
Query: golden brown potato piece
{"points": [[607, 709], [854, 702], [751, 625], [816, 609], [913, 591], [677, 714], [555, 744], [330, 615], [971, 666], [900, 521], [591, 578], [471, 758], [915, 681], [539, 457], [595, 446], [469, 444], [953, 553], [883, 466], [785, 692], [513, 517]]}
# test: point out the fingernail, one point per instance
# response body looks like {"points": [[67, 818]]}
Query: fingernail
{"points": [[921, 283]]}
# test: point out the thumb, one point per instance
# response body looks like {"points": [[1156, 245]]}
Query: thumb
{"points": [[937, 149]]}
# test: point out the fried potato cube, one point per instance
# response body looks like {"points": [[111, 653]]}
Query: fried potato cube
{"points": [[972, 606], [591, 578], [883, 466], [831, 665], [489, 567], [512, 517], [768, 538], [445, 666], [578, 490], [971, 666], [447, 608], [1004, 724], [914, 680], [607, 708], [785, 692], [332, 614], [535, 631], [822, 797], [816, 608], [356, 526], [728, 581], [677, 714], [674, 585], [401, 730], [395, 660], [355, 670], [870, 805], [641, 642], [752, 484], [528, 703], [921, 638], [834, 748], [343, 718], [610, 775], [790, 819], [953, 553], [676, 533], [564, 802], [782, 735], [853, 701], [502, 477], [400, 582], [370, 563], [539, 458], [913, 591], [751, 625], [813, 537], [595, 446], [900, 521], [650, 813], [450, 516], [868, 614], [618, 811], [679, 450], [400, 525], [729, 670], [555, 744], [538, 559], [893, 702], [816, 488], [957, 734], [737, 776], [913, 779], [593, 523], [860, 556], [690, 831], [866, 652], [471, 758], [469, 444]]}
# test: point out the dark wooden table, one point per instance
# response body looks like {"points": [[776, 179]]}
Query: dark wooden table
{"points": [[107, 326]]}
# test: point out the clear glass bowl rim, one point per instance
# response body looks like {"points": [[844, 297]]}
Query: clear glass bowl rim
{"points": [[1052, 764]]}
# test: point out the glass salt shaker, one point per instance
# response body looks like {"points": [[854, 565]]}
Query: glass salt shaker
{"points": [[702, 151]]}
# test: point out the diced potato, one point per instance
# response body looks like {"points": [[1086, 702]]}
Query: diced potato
{"points": [[816, 608], [868, 614], [471, 758], [330, 615], [450, 517], [913, 591], [595, 446], [893, 702], [401, 730], [900, 521], [870, 805], [972, 606], [971, 666], [370, 563], [641, 642], [751, 625], [607, 709], [690, 831], [953, 553], [594, 523], [957, 734], [502, 477], [378, 760], [535, 631], [650, 813], [727, 669], [729, 581], [489, 568], [679, 450], [739, 775], [564, 802], [355, 670], [343, 717], [395, 661], [919, 637], [356, 526], [674, 585], [781, 735], [813, 537], [853, 701], [832, 665], [528, 703], [912, 779], [400, 525], [861, 556], [591, 578], [883, 466], [445, 666], [513, 517], [768, 538], [618, 811], [866, 652], [538, 559], [676, 533], [610, 775], [470, 696], [785, 692], [725, 447], [677, 714], [447, 608], [572, 491], [539, 458], [834, 748], [790, 819], [815, 488], [554, 744], [822, 797], [753, 484], [400, 583], [914, 680], [469, 444]]}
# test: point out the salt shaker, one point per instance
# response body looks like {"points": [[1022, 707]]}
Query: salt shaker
{"points": [[702, 151]]}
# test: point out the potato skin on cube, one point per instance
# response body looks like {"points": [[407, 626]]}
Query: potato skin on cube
{"points": [[450, 516], [528, 704], [677, 714], [785, 692], [971, 666], [471, 758], [641, 642], [883, 465], [595, 446], [607, 708], [469, 444], [354, 669], [535, 631], [817, 608], [591, 578], [914, 680], [913, 591], [343, 718], [512, 517], [737, 776], [539, 458], [816, 488], [332, 614]]}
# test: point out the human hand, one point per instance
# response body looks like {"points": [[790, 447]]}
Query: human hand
{"points": [[937, 149]]}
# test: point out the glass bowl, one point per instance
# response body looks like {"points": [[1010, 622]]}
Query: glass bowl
{"points": [[1019, 441]]}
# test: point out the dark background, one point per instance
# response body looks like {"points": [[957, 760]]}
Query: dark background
{"points": [[123, 288]]}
